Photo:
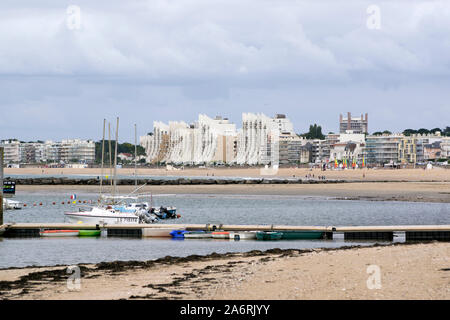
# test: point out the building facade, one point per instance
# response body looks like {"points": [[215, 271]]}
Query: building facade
{"points": [[356, 125]]}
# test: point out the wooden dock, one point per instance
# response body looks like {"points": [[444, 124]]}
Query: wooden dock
{"points": [[411, 232]]}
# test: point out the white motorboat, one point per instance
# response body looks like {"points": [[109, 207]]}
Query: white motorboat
{"points": [[106, 215], [12, 204]]}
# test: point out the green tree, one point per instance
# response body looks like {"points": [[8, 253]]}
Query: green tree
{"points": [[409, 132], [423, 131], [315, 132]]}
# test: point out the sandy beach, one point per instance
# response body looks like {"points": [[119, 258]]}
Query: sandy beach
{"points": [[435, 174], [376, 191], [402, 271]]}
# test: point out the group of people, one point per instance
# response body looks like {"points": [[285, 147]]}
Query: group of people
{"points": [[311, 176]]}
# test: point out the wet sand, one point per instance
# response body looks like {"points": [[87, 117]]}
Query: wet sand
{"points": [[376, 191], [435, 174], [402, 271]]}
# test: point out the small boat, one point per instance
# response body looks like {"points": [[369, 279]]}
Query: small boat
{"points": [[242, 235], [157, 232], [198, 235], [297, 235], [178, 234], [220, 235], [99, 215], [89, 233], [268, 235], [12, 204], [59, 233]]}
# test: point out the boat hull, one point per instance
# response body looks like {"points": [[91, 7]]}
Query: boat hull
{"points": [[299, 235], [87, 218], [220, 235], [178, 234], [243, 235], [89, 233], [198, 235], [261, 235], [59, 233]]}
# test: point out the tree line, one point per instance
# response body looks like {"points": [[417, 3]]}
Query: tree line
{"points": [[121, 148]]}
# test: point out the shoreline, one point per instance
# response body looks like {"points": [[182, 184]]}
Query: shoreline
{"points": [[438, 174], [408, 271]]}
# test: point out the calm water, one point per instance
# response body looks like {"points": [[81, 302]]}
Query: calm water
{"points": [[203, 209]]}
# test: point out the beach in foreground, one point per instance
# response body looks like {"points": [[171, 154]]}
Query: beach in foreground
{"points": [[402, 271]]}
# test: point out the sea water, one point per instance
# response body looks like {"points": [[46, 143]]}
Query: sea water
{"points": [[203, 209]]}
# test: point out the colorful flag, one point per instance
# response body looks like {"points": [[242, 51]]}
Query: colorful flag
{"points": [[73, 197]]}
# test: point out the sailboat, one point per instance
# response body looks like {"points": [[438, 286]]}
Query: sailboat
{"points": [[111, 209]]}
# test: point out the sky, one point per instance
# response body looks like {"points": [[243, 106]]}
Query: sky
{"points": [[67, 65]]}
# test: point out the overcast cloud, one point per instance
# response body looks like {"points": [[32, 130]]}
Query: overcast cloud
{"points": [[170, 60]]}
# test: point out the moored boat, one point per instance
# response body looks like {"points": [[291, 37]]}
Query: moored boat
{"points": [[298, 235], [178, 234], [220, 235], [59, 233], [198, 235], [89, 233], [242, 235], [9, 204], [268, 235], [102, 215]]}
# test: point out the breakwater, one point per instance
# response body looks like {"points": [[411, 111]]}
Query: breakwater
{"points": [[177, 181]]}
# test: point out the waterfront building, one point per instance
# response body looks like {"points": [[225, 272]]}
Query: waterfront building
{"points": [[31, 152], [432, 151], [290, 148], [382, 149], [306, 154], [77, 150], [356, 125], [205, 141], [445, 148], [349, 146], [11, 149], [259, 138]]}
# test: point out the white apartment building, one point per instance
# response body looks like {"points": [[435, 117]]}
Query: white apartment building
{"points": [[11, 151], [76, 150], [49, 151], [205, 141], [258, 140]]}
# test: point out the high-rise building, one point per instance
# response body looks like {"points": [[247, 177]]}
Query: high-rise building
{"points": [[205, 141], [356, 125]]}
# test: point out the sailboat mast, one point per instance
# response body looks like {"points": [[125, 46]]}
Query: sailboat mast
{"points": [[135, 155], [110, 154], [115, 157], [103, 154]]}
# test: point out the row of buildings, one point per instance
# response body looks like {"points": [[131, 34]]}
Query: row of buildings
{"points": [[263, 140], [65, 151]]}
